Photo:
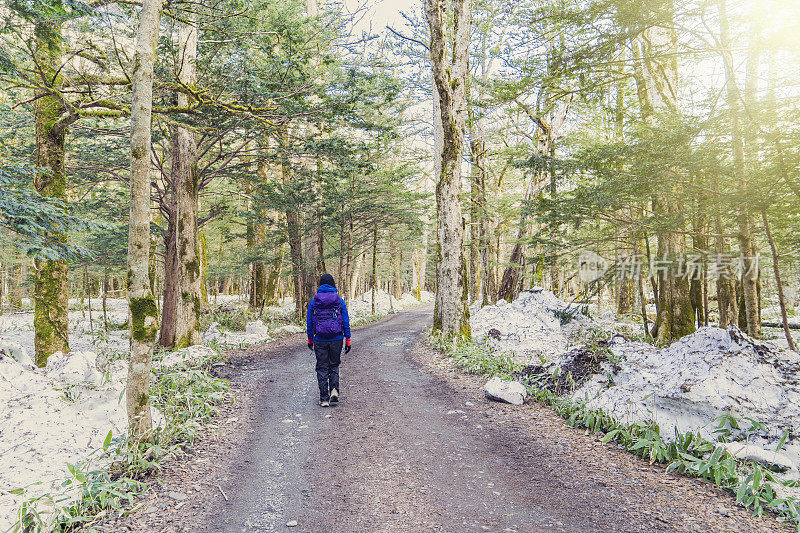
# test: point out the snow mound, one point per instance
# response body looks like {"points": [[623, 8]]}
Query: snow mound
{"points": [[185, 355], [53, 416], [290, 329], [74, 367], [698, 378], [17, 352], [530, 326], [512, 392], [255, 332]]}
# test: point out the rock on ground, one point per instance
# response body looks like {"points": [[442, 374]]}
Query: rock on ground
{"points": [[511, 392]]}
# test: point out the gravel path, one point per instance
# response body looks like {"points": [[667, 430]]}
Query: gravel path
{"points": [[413, 446]]}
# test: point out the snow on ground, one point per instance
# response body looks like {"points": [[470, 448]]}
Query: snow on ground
{"points": [[255, 331], [53, 416], [685, 386], [361, 306], [83, 335], [699, 378], [530, 326]]}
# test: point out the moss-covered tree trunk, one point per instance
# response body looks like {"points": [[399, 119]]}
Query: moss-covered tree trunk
{"points": [[15, 286], [187, 185], [203, 268], [169, 302], [656, 75], [143, 312], [450, 62], [50, 288]]}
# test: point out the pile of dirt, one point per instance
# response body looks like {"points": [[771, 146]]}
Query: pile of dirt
{"points": [[572, 370]]}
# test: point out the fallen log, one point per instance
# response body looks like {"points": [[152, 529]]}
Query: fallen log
{"points": [[778, 325]]}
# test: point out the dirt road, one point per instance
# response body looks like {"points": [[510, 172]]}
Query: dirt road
{"points": [[414, 446]]}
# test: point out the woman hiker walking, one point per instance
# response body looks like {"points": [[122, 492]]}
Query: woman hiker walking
{"points": [[327, 327]]}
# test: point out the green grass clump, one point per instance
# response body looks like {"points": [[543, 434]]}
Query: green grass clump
{"points": [[689, 453], [476, 358], [189, 398]]}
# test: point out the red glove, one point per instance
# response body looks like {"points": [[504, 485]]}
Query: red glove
{"points": [[347, 346], [310, 344]]}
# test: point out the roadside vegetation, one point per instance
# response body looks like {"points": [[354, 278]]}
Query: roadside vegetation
{"points": [[188, 396], [754, 485]]}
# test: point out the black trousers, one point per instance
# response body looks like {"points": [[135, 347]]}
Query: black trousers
{"points": [[329, 355]]}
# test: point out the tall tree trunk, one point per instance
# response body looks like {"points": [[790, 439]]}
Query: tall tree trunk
{"points": [[105, 299], [51, 291], [169, 297], [255, 236], [479, 225], [749, 278], [419, 259], [657, 78], [725, 286], [15, 286], [203, 244], [697, 281], [293, 224], [271, 289], [451, 313], [374, 277], [143, 313], [396, 260], [355, 274], [184, 160]]}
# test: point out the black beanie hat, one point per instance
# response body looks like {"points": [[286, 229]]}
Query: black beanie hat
{"points": [[327, 279]]}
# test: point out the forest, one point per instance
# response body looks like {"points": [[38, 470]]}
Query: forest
{"points": [[181, 163]]}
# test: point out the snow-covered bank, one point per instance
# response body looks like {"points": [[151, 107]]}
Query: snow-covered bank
{"points": [[51, 417], [705, 375], [687, 386]]}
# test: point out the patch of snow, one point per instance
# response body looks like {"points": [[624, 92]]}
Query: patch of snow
{"points": [[361, 306], [291, 329], [256, 328], [511, 392], [74, 367], [17, 352], [529, 326], [698, 378], [185, 355], [758, 455], [255, 332], [53, 416]]}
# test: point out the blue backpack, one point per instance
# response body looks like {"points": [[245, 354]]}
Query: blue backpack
{"points": [[328, 321]]}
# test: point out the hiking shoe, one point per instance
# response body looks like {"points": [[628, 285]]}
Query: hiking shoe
{"points": [[324, 403], [334, 396]]}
